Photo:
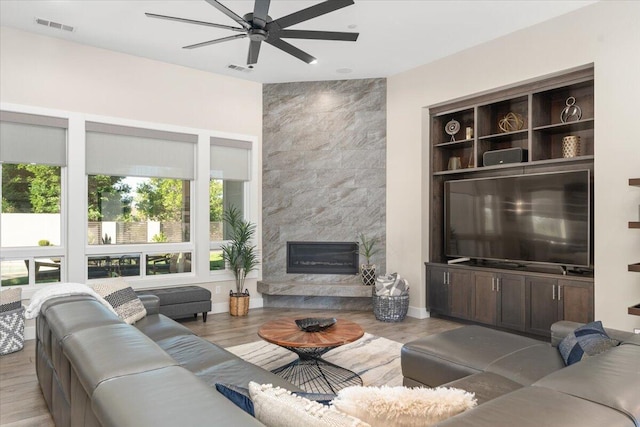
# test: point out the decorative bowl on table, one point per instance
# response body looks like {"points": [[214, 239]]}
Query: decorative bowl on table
{"points": [[314, 324]]}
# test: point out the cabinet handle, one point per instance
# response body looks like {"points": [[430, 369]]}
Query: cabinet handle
{"points": [[553, 296], [493, 284], [498, 284], [559, 292]]}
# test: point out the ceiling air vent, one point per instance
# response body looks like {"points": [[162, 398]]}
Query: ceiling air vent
{"points": [[239, 68], [55, 25]]}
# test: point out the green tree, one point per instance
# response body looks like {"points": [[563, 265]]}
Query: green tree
{"points": [[161, 199], [30, 188], [109, 199], [215, 200]]}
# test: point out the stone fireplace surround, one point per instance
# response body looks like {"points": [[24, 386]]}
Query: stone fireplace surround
{"points": [[324, 179]]}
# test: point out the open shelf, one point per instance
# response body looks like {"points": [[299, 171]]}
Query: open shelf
{"points": [[634, 224], [506, 135], [635, 267], [566, 127], [635, 182], [455, 144], [634, 310]]}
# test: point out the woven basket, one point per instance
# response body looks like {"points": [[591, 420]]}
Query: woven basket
{"points": [[11, 331], [389, 308], [239, 305]]}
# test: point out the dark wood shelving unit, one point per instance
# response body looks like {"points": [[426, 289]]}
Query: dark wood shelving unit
{"points": [[634, 310], [524, 301]]}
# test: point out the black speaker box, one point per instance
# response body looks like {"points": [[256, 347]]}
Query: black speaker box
{"points": [[508, 155]]}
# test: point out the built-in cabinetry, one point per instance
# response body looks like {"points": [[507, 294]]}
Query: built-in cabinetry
{"points": [[635, 310], [525, 301], [534, 116]]}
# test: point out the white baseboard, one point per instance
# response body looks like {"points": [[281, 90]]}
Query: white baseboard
{"points": [[29, 332], [418, 312]]}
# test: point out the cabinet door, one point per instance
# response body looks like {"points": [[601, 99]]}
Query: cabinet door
{"points": [[511, 291], [485, 303], [542, 306], [437, 290], [461, 293], [575, 301]]}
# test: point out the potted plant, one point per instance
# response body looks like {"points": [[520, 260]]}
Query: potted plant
{"points": [[241, 257], [368, 250]]}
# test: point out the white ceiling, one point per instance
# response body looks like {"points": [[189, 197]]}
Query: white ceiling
{"points": [[395, 35]]}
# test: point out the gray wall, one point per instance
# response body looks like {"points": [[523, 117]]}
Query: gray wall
{"points": [[324, 168]]}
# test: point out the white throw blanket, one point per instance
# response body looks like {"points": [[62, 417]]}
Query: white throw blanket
{"points": [[59, 290]]}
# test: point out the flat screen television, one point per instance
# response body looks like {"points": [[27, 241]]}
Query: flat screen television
{"points": [[536, 218]]}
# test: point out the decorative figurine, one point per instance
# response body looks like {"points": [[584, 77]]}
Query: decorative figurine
{"points": [[451, 128], [571, 112]]}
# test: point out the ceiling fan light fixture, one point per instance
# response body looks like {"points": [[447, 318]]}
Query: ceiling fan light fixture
{"points": [[259, 27]]}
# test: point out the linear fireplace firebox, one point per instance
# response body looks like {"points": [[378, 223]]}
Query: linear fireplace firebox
{"points": [[322, 257]]}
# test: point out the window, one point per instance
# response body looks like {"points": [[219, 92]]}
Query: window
{"points": [[230, 165], [139, 188], [32, 159]]}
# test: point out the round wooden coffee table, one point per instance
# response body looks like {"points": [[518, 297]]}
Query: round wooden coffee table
{"points": [[311, 372]]}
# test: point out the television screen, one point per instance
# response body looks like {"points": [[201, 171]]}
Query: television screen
{"points": [[536, 218]]}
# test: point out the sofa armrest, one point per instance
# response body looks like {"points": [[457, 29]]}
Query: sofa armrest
{"points": [[561, 329], [151, 303]]}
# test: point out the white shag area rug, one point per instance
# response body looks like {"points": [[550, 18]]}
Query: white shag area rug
{"points": [[375, 359]]}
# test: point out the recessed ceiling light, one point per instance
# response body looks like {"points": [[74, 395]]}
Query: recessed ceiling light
{"points": [[352, 26], [344, 70]]}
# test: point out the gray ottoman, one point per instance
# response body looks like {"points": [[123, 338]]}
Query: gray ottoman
{"points": [[182, 301]]}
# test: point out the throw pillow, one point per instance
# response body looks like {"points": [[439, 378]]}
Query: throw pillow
{"points": [[403, 406], [10, 299], [277, 407], [241, 398], [586, 341], [122, 298]]}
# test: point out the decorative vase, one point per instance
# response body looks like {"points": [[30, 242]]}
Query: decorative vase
{"points": [[570, 146], [239, 303], [368, 274]]}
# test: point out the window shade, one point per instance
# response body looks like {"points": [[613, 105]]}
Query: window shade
{"points": [[127, 151], [230, 159], [28, 138]]}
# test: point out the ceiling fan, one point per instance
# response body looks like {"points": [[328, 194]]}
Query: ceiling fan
{"points": [[259, 27]]}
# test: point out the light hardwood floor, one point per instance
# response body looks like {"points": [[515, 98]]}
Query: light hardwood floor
{"points": [[22, 404]]}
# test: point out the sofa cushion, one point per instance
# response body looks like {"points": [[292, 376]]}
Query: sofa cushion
{"points": [[239, 372], [611, 379], [277, 407], [485, 386], [448, 356], [537, 406], [159, 327], [193, 402], [122, 298], [402, 406], [105, 352], [586, 341], [528, 365], [195, 353]]}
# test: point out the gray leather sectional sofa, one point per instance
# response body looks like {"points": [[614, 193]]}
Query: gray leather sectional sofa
{"points": [[523, 382], [95, 370]]}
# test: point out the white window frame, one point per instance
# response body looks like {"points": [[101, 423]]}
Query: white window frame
{"points": [[30, 253], [74, 243]]}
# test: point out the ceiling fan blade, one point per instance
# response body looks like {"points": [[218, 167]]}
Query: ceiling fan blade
{"points": [[229, 13], [191, 21], [260, 11], [318, 35], [309, 13], [291, 50], [216, 41], [254, 51]]}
